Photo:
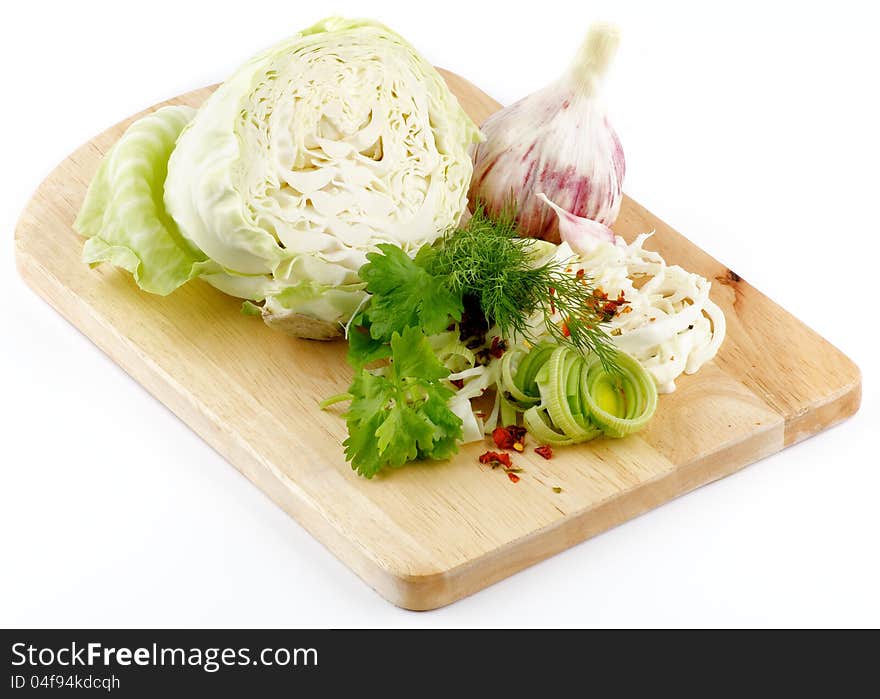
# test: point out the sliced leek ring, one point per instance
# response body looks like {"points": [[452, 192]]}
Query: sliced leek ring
{"points": [[527, 372], [552, 382], [510, 363], [541, 431], [566, 398], [619, 403], [508, 412]]}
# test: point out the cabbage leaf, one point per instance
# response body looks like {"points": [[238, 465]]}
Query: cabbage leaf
{"points": [[123, 215]]}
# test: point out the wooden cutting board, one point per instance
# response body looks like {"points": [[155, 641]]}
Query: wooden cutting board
{"points": [[429, 534]]}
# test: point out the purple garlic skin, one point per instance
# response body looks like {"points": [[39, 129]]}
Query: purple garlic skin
{"points": [[558, 142]]}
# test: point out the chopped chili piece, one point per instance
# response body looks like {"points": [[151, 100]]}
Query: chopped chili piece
{"points": [[498, 348], [579, 274], [513, 477], [458, 383], [545, 450], [552, 305], [605, 307], [508, 437], [565, 331], [495, 459], [502, 438]]}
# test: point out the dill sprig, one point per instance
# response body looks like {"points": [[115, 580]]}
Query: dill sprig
{"points": [[486, 259]]}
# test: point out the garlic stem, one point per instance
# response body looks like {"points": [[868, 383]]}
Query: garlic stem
{"points": [[593, 58]]}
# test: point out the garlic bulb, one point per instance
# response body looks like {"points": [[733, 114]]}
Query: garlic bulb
{"points": [[558, 142]]}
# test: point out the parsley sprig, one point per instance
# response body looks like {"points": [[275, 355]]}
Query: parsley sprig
{"points": [[401, 415], [403, 295]]}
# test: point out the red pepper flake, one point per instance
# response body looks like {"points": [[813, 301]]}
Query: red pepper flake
{"points": [[552, 305], [458, 383], [565, 331], [580, 274], [508, 437], [612, 307], [495, 459], [495, 351], [607, 308], [502, 438], [545, 450], [498, 348]]}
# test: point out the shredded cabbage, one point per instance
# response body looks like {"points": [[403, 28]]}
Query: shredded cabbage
{"points": [[669, 325]]}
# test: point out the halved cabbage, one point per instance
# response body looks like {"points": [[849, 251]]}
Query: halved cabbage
{"points": [[313, 152]]}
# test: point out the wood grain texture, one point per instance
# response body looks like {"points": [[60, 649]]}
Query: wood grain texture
{"points": [[431, 533]]}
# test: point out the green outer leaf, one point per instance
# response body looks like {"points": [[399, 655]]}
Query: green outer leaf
{"points": [[123, 215], [248, 308]]}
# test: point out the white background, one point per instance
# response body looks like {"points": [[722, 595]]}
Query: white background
{"points": [[752, 130]]}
